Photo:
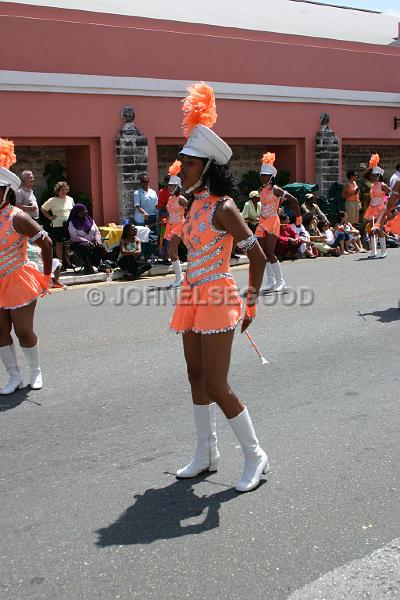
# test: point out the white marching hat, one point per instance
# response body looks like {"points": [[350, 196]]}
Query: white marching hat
{"points": [[268, 170], [204, 143], [9, 179], [174, 180], [377, 171]]}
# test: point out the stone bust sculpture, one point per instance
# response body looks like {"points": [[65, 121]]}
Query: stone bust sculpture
{"points": [[325, 120], [128, 117]]}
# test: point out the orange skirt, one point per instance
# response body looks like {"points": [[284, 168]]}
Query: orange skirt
{"points": [[271, 225], [393, 226], [214, 307], [22, 287], [373, 211], [171, 230]]}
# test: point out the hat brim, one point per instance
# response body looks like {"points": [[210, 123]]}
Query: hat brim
{"points": [[9, 179]]}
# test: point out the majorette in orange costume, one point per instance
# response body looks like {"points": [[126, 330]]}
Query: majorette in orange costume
{"points": [[176, 217], [210, 303], [20, 282], [378, 194], [269, 223]]}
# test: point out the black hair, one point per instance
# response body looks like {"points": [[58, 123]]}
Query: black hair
{"points": [[341, 214], [321, 224], [126, 230], [219, 179], [11, 197], [398, 167], [351, 173], [178, 190], [367, 173]]}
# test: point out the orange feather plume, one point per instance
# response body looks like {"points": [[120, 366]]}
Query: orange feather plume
{"points": [[198, 107], [268, 158], [175, 168], [7, 154], [374, 161]]}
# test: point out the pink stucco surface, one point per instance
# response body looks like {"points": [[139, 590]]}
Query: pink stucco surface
{"points": [[76, 42]]}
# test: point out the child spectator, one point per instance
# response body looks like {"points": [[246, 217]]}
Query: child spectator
{"points": [[305, 249], [353, 233], [318, 240], [335, 238]]}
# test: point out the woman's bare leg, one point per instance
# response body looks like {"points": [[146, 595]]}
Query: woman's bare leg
{"points": [[192, 351], [216, 356], [172, 250], [22, 320], [5, 328]]}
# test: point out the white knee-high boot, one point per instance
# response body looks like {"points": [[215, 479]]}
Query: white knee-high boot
{"points": [[9, 360], [32, 358], [206, 456], [280, 282], [270, 279], [176, 265], [382, 243], [373, 246], [255, 459]]}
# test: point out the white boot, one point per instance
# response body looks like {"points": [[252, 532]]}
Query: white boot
{"points": [[33, 361], [9, 360], [176, 265], [382, 243], [206, 456], [280, 283], [372, 239], [270, 279], [255, 459]]}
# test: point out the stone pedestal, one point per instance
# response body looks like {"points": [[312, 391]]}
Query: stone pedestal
{"points": [[131, 160], [326, 157]]}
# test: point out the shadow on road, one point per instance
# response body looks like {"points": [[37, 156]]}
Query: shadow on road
{"points": [[383, 316], [15, 399], [159, 514]]}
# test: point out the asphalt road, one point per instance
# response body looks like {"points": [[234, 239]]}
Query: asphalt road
{"points": [[90, 508]]}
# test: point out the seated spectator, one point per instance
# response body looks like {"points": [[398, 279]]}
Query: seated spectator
{"points": [[305, 249], [311, 207], [130, 252], [288, 242], [252, 210], [57, 209], [85, 238], [353, 232], [334, 237], [35, 257], [318, 240]]}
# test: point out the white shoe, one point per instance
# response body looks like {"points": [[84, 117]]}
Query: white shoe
{"points": [[279, 286], [176, 283], [206, 456], [32, 358], [279, 281], [9, 360], [382, 243], [373, 252], [255, 459], [270, 279]]}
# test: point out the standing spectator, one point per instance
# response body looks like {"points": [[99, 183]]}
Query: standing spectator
{"points": [[85, 237], [163, 196], [351, 194], [60, 206], [25, 198], [145, 202], [311, 207], [252, 210], [395, 177]]}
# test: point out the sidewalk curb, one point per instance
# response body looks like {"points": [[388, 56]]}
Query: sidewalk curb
{"points": [[156, 271]]}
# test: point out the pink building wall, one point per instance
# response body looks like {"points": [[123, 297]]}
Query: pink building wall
{"points": [[76, 42]]}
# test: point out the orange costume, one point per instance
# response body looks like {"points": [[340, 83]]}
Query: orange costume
{"points": [[20, 282], [209, 301], [269, 220], [377, 201], [176, 218]]}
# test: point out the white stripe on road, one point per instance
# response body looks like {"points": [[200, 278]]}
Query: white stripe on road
{"points": [[375, 577]]}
